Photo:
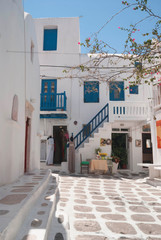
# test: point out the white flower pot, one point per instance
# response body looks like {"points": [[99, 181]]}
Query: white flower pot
{"points": [[114, 167]]}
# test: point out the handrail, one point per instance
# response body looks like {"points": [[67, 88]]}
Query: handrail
{"points": [[52, 101], [91, 126]]}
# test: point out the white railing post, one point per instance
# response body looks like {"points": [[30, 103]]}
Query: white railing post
{"points": [[128, 110]]}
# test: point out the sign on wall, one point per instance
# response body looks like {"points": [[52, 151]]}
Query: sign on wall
{"points": [[105, 141]]}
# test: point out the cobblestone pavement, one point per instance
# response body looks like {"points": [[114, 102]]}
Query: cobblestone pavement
{"points": [[102, 207]]}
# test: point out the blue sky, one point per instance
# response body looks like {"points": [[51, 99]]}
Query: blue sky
{"points": [[93, 14]]}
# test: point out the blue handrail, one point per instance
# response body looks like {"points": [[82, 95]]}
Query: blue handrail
{"points": [[52, 102], [91, 126]]}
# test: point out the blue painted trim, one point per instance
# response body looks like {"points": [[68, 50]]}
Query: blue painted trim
{"points": [[61, 116], [138, 64], [91, 92], [100, 117], [48, 105], [133, 90], [51, 100], [50, 40], [117, 91]]}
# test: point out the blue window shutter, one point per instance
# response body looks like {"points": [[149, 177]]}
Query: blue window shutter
{"points": [[46, 86], [91, 91], [138, 64], [116, 91], [50, 40], [133, 89], [48, 94]]}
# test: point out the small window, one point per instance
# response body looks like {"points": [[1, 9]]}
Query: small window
{"points": [[124, 129], [138, 65], [146, 128], [115, 129], [50, 40], [133, 89], [91, 92]]}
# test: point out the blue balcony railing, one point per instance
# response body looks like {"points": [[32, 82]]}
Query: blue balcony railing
{"points": [[53, 102]]}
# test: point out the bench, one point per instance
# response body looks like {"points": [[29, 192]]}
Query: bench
{"points": [[154, 169]]}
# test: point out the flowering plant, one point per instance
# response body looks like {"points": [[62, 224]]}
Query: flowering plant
{"points": [[97, 150], [115, 159], [103, 154]]}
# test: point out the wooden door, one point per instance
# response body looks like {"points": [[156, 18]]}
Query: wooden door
{"points": [[147, 148]]}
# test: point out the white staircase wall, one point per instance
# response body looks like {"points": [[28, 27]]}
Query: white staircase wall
{"points": [[88, 150]]}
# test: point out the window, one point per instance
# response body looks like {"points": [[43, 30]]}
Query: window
{"points": [[116, 91], [91, 92], [138, 65], [49, 86], [146, 128], [50, 40], [133, 89]]}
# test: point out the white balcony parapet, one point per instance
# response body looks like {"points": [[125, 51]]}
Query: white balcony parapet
{"points": [[128, 111]]}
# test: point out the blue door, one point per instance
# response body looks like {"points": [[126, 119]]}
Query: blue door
{"points": [[117, 91], [48, 94]]}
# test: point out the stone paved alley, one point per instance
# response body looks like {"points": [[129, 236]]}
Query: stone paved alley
{"points": [[80, 207], [102, 207]]}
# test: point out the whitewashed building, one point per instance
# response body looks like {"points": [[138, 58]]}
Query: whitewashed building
{"points": [[108, 111], [19, 94]]}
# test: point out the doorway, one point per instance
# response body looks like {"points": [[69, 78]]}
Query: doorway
{"points": [[119, 148], [147, 148], [60, 144], [27, 144]]}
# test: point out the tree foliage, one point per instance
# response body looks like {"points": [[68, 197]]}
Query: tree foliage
{"points": [[139, 62]]}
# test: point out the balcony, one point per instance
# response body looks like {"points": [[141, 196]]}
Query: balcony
{"points": [[128, 111], [53, 105]]}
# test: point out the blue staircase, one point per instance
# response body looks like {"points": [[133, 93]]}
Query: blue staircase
{"points": [[99, 118]]}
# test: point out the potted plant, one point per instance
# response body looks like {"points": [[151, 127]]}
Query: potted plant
{"points": [[115, 162], [115, 159], [120, 156], [98, 150], [103, 155]]}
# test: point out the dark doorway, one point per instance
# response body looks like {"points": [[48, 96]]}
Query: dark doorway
{"points": [[119, 148], [147, 148], [60, 144], [27, 144]]}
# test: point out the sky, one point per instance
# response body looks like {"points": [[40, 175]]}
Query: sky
{"points": [[93, 15]]}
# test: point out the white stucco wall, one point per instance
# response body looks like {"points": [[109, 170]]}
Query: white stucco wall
{"points": [[13, 82], [68, 55], [33, 89], [136, 152]]}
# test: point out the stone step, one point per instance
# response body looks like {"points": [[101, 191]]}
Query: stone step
{"points": [[38, 220], [17, 199]]}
